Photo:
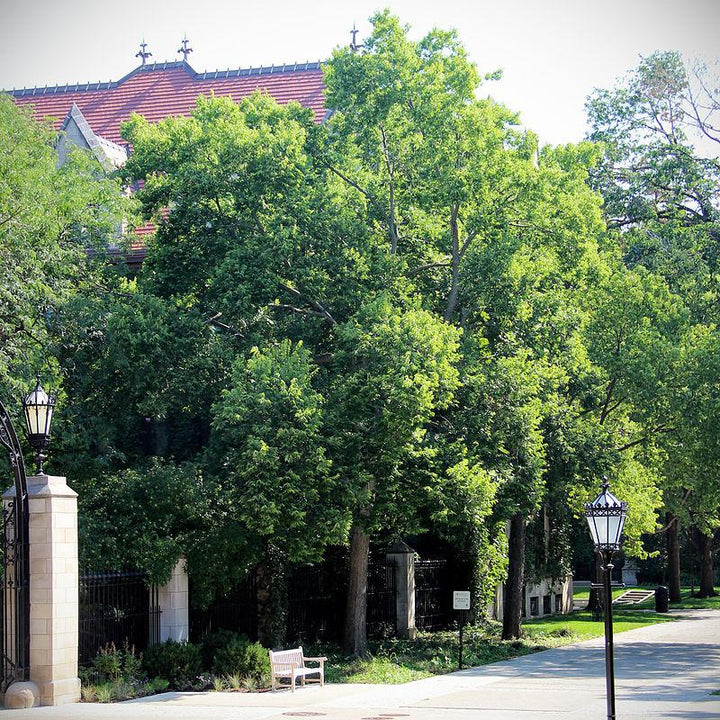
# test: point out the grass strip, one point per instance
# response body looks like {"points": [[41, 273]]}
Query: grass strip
{"points": [[393, 661]]}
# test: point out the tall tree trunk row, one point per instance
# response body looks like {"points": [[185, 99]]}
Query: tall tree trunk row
{"points": [[355, 631], [705, 543], [672, 541], [512, 606]]}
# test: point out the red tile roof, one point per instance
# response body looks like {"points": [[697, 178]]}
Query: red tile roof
{"points": [[160, 89]]}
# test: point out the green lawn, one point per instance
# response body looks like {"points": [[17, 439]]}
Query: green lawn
{"points": [[689, 602], [397, 661], [584, 593], [581, 626]]}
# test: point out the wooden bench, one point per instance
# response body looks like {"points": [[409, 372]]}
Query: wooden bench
{"points": [[291, 664]]}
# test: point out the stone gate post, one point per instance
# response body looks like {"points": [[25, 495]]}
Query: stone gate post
{"points": [[53, 589], [174, 606], [404, 558]]}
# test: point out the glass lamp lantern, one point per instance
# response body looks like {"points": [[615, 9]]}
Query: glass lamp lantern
{"points": [[606, 518], [39, 407]]}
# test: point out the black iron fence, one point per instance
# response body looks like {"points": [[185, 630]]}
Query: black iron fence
{"points": [[117, 607], [316, 603], [381, 599], [234, 609], [433, 596], [121, 608]]}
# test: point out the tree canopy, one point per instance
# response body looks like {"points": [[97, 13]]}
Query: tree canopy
{"points": [[408, 321]]}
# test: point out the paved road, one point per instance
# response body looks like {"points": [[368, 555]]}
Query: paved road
{"points": [[665, 671]]}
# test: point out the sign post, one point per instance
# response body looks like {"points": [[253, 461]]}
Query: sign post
{"points": [[461, 602]]}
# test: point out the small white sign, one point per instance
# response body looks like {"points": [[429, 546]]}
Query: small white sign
{"points": [[461, 599]]}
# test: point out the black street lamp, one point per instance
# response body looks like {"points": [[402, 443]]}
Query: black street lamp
{"points": [[39, 408], [606, 518]]}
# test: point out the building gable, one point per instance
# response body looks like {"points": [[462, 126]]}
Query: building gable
{"points": [[76, 131]]}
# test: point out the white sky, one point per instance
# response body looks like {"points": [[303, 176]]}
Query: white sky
{"points": [[552, 52]]}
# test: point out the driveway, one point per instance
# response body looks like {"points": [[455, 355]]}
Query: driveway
{"points": [[663, 671]]}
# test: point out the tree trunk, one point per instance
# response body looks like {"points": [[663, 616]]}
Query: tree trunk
{"points": [[672, 543], [512, 607], [355, 631], [707, 588], [271, 589]]}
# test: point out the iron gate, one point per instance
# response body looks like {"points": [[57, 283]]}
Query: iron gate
{"points": [[15, 590], [116, 607], [432, 595]]}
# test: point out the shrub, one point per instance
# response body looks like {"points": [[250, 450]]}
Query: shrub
{"points": [[243, 658], [257, 664], [178, 663], [213, 642], [89, 693], [105, 693], [113, 664], [123, 691], [233, 682], [250, 684], [107, 663], [132, 664], [158, 684], [229, 658]]}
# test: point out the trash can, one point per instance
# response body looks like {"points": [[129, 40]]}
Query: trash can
{"points": [[662, 597]]}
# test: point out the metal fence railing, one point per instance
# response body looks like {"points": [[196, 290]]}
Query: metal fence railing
{"points": [[316, 599], [119, 608], [235, 609], [381, 599], [432, 595]]}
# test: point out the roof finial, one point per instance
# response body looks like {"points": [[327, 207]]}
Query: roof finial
{"points": [[184, 49], [143, 54], [353, 43]]}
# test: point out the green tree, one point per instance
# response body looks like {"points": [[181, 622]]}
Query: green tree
{"points": [[145, 518], [49, 218], [661, 187], [499, 237], [394, 369], [278, 483], [435, 169]]}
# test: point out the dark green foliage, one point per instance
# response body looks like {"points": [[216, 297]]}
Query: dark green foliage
{"points": [[408, 319], [144, 518], [257, 663], [179, 663], [243, 658], [158, 685], [229, 659], [660, 179], [212, 642]]}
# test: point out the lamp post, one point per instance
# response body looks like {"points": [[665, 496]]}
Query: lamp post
{"points": [[39, 407], [606, 518]]}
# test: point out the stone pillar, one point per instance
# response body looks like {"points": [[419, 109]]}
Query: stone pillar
{"points": [[54, 601], [629, 572], [173, 600], [404, 558]]}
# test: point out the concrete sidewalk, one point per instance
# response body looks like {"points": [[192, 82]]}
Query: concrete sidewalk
{"points": [[666, 671]]}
